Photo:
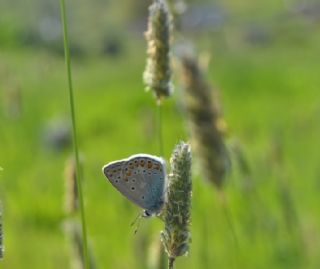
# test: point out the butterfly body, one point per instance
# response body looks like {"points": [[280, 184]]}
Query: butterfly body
{"points": [[140, 178]]}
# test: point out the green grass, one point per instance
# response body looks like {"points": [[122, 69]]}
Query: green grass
{"points": [[269, 93], [78, 175]]}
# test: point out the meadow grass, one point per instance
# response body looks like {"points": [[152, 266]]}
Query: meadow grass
{"points": [[78, 174], [266, 92]]}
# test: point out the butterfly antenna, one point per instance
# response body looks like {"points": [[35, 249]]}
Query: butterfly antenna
{"points": [[136, 222]]}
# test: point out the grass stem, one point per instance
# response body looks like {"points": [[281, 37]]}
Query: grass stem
{"points": [[159, 106], [229, 220], [171, 262], [74, 131], [1, 233]]}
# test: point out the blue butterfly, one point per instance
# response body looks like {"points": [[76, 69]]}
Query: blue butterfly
{"points": [[140, 178]]}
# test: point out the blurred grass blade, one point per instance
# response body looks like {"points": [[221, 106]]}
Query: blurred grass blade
{"points": [[74, 131], [1, 233]]}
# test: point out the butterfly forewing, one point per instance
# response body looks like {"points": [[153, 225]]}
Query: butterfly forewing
{"points": [[140, 178]]}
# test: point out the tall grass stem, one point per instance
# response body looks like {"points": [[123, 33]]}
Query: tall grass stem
{"points": [[74, 131], [1, 233], [230, 223], [160, 137]]}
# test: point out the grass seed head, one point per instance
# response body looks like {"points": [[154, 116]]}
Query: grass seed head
{"points": [[157, 75], [177, 211], [205, 118]]}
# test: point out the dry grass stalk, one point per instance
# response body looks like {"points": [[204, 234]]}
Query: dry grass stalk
{"points": [[72, 226], [12, 100], [71, 190], [74, 234]]}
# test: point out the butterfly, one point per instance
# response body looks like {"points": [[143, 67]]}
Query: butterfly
{"points": [[141, 178]]}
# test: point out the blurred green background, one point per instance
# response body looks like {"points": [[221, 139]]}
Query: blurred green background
{"points": [[265, 62]]}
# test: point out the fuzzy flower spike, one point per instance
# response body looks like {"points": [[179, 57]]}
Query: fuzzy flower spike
{"points": [[157, 75], [177, 210], [204, 115]]}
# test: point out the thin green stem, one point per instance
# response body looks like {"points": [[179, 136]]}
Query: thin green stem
{"points": [[74, 132], [1, 233], [160, 138], [228, 217]]}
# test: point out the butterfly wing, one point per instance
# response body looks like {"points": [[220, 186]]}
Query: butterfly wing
{"points": [[140, 178]]}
